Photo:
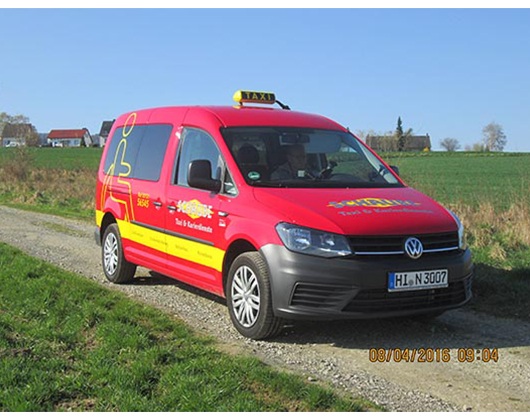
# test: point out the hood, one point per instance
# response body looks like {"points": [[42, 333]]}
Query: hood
{"points": [[377, 211]]}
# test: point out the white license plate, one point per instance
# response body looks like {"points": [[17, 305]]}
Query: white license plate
{"points": [[418, 280]]}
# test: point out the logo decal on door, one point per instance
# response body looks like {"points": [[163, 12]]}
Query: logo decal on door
{"points": [[194, 209]]}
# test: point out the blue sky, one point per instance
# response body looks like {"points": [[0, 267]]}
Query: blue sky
{"points": [[446, 72]]}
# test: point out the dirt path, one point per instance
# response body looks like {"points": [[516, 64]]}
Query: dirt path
{"points": [[337, 352]]}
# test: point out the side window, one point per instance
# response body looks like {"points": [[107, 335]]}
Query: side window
{"points": [[152, 151], [138, 152], [229, 187], [197, 144], [123, 149]]}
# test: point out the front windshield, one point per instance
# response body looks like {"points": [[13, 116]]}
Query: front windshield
{"points": [[305, 158]]}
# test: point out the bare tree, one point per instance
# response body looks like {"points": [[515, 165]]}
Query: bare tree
{"points": [[450, 144], [18, 126], [5, 118], [493, 137]]}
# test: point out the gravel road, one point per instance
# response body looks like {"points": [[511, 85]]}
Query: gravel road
{"points": [[335, 353]]}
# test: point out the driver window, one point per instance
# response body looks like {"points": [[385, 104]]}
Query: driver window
{"points": [[197, 144]]}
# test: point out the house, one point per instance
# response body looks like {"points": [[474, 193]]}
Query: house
{"points": [[104, 132], [14, 135], [389, 143], [69, 138], [97, 140]]}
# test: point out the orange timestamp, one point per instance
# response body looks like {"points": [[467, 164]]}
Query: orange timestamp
{"points": [[433, 355]]}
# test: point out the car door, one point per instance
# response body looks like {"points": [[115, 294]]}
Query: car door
{"points": [[148, 219], [193, 221], [131, 186]]}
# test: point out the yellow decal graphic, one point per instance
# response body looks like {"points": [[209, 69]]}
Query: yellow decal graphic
{"points": [[123, 171], [195, 209], [371, 202], [142, 200]]}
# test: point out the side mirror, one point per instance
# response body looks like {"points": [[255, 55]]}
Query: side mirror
{"points": [[200, 176], [395, 169]]}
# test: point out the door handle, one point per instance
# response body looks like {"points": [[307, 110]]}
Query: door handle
{"points": [[172, 208], [157, 204]]}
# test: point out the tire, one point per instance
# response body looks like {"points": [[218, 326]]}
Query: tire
{"points": [[249, 300], [116, 268]]}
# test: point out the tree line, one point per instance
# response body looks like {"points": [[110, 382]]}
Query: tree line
{"points": [[493, 139]]}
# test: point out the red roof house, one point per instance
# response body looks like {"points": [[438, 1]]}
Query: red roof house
{"points": [[69, 138]]}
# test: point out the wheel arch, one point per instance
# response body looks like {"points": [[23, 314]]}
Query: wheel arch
{"points": [[235, 249], [107, 220]]}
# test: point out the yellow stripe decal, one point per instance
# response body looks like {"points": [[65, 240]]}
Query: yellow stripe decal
{"points": [[186, 249], [99, 217]]}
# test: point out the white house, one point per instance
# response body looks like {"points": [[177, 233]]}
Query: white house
{"points": [[69, 138]]}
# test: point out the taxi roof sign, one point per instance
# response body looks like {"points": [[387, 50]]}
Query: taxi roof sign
{"points": [[255, 97]]}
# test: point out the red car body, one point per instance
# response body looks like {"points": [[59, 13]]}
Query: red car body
{"points": [[196, 234]]}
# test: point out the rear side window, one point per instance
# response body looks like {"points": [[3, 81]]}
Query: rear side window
{"points": [[151, 152], [139, 153]]}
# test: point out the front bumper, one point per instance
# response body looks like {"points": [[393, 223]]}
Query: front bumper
{"points": [[306, 287]]}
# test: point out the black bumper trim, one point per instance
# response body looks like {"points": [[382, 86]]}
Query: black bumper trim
{"points": [[306, 287]]}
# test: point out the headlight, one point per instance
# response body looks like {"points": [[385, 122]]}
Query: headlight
{"points": [[312, 242], [461, 236]]}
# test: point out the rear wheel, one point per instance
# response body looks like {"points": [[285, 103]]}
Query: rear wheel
{"points": [[249, 297], [116, 268]]}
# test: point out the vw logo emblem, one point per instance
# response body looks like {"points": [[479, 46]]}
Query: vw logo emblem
{"points": [[413, 248]]}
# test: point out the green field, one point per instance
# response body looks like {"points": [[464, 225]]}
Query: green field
{"points": [[57, 158], [468, 178], [451, 178]]}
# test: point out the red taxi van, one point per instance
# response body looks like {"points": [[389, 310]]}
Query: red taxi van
{"points": [[285, 214]]}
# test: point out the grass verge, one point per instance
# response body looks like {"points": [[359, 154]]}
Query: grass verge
{"points": [[29, 181], [500, 241], [67, 344]]}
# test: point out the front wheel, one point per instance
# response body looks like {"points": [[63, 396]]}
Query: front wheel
{"points": [[116, 268], [249, 297]]}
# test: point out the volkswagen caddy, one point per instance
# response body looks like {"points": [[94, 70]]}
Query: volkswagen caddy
{"points": [[287, 215]]}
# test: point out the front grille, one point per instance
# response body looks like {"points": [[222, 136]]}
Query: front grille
{"points": [[363, 246], [380, 300], [320, 296]]}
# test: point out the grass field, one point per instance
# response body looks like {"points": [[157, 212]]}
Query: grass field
{"points": [[57, 158], [468, 178], [67, 344]]}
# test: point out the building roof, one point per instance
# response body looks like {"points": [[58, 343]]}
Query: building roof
{"points": [[411, 143], [16, 130], [67, 134], [105, 128]]}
